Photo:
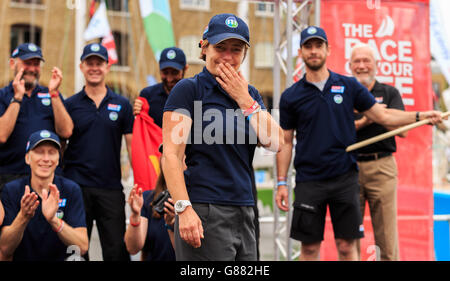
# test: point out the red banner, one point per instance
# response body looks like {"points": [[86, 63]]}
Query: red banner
{"points": [[399, 32]]}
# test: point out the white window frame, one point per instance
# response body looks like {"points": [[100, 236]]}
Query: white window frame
{"points": [[189, 44], [264, 58], [267, 12], [37, 6], [195, 5]]}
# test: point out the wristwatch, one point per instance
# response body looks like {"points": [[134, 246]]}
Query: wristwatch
{"points": [[181, 205], [13, 99]]}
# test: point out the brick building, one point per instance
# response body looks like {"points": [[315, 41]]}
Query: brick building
{"points": [[51, 25]]}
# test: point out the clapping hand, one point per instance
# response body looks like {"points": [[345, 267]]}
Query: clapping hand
{"points": [[136, 200], [50, 202], [28, 203]]}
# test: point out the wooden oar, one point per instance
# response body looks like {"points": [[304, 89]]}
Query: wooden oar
{"points": [[391, 133]]}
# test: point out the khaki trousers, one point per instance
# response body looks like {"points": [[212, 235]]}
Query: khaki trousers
{"points": [[378, 186]]}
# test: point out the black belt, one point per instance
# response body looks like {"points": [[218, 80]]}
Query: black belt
{"points": [[372, 156]]}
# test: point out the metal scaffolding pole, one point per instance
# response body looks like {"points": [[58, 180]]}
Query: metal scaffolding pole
{"points": [[296, 14]]}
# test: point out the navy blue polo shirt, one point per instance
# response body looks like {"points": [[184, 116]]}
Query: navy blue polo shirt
{"points": [[324, 124], [92, 158], [35, 114], [156, 97], [39, 241], [220, 150], [157, 243]]}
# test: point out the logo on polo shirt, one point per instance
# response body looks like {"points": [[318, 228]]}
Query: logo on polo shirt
{"points": [[379, 99], [113, 116], [171, 54], [45, 98], [61, 204], [46, 102], [43, 95], [337, 89], [114, 107], [338, 99], [231, 22], [60, 214]]}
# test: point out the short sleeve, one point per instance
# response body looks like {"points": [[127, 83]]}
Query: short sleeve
{"points": [[395, 99], [363, 99], [10, 206], [67, 103], [181, 98], [287, 119], [257, 97], [128, 118], [3, 103], [76, 217]]}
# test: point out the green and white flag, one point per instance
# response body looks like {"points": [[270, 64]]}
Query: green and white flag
{"points": [[157, 24]]}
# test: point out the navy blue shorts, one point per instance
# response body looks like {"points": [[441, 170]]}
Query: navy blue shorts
{"points": [[341, 195]]}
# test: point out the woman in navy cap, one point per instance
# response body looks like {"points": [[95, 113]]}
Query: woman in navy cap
{"points": [[215, 119]]}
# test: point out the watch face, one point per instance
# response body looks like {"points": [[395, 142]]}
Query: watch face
{"points": [[179, 205]]}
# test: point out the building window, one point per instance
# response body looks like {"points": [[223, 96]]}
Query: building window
{"points": [[264, 55], [24, 33], [189, 45], [121, 40], [202, 5], [117, 5], [264, 9], [28, 1]]}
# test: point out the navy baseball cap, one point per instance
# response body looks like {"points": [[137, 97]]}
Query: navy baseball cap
{"points": [[94, 49], [40, 136], [27, 51], [225, 26], [312, 32], [172, 57]]}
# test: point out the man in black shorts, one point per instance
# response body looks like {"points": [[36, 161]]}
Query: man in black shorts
{"points": [[319, 108]]}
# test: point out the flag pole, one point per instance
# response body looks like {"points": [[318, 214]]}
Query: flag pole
{"points": [[80, 26]]}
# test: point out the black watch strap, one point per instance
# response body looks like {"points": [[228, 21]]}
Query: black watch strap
{"points": [[15, 100]]}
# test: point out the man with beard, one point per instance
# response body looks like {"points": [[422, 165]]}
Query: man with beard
{"points": [[92, 159], [319, 108], [172, 67], [377, 166], [26, 107]]}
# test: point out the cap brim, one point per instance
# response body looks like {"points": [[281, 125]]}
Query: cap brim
{"points": [[91, 55], [42, 140], [171, 64], [31, 56], [224, 36], [313, 37]]}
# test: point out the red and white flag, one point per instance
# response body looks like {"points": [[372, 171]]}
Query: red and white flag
{"points": [[98, 27]]}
